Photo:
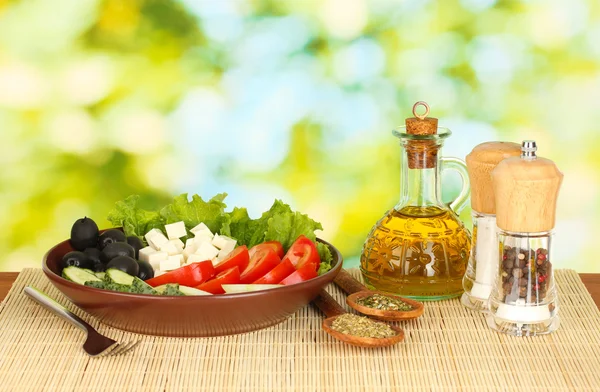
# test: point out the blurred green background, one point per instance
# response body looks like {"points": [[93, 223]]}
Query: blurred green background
{"points": [[287, 99]]}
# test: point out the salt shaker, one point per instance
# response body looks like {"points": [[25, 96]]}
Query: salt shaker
{"points": [[524, 299], [483, 262]]}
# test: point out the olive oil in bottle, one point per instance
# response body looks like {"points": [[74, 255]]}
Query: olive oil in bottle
{"points": [[419, 252]]}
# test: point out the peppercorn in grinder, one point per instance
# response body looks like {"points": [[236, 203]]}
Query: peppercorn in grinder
{"points": [[524, 299], [483, 262]]}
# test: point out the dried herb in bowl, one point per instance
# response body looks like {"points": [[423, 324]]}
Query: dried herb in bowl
{"points": [[382, 302], [351, 324]]}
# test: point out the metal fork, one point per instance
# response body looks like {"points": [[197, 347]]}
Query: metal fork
{"points": [[95, 345]]}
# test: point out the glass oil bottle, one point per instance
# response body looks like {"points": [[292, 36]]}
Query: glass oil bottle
{"points": [[524, 299], [483, 263], [420, 248]]}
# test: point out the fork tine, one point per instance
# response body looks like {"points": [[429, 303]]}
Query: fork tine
{"points": [[132, 346], [124, 348], [109, 350], [117, 350]]}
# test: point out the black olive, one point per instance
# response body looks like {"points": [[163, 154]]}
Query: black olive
{"points": [[110, 236], [146, 270], [136, 243], [76, 259], [118, 249], [99, 267], [125, 264], [84, 234], [96, 255]]}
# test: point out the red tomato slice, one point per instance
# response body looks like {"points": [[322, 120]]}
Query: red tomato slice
{"points": [[302, 274], [190, 275], [275, 245], [230, 276], [239, 257], [302, 252], [263, 261], [277, 274]]}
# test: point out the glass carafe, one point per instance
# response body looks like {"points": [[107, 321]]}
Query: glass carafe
{"points": [[420, 248]]}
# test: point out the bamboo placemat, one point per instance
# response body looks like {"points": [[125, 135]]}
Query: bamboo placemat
{"points": [[448, 348]]}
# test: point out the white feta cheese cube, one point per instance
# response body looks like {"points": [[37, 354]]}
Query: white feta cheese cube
{"points": [[158, 272], [145, 253], [152, 233], [156, 265], [194, 258], [157, 239], [207, 251], [190, 243], [187, 252], [201, 228], [173, 262], [178, 244], [223, 242], [157, 257], [202, 237], [176, 230], [170, 248], [223, 253]]}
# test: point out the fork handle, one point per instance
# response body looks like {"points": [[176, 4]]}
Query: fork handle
{"points": [[56, 308]]}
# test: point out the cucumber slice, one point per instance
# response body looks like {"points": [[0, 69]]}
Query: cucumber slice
{"points": [[118, 280], [119, 277], [244, 288], [100, 275], [169, 289], [90, 271], [192, 291], [79, 275], [140, 287]]}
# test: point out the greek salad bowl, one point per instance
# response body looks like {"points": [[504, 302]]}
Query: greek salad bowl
{"points": [[188, 316]]}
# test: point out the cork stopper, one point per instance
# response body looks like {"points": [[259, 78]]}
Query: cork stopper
{"points": [[422, 154], [526, 190], [480, 163], [421, 124]]}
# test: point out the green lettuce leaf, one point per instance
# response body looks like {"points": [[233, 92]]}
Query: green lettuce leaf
{"points": [[260, 226], [196, 211], [237, 224], [326, 258], [134, 220], [287, 227]]}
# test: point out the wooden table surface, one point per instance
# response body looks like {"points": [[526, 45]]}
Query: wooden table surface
{"points": [[591, 281]]}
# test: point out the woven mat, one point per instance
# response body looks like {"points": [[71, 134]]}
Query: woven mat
{"points": [[448, 348]]}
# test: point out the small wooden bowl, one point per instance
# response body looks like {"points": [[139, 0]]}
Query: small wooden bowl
{"points": [[360, 341], [386, 315]]}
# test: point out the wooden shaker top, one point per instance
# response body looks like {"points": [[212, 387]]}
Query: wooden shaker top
{"points": [[480, 163], [526, 193]]}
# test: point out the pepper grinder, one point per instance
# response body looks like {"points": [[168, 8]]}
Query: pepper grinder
{"points": [[524, 299], [483, 261]]}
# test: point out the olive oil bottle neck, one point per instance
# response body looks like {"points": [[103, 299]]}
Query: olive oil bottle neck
{"points": [[419, 187]]}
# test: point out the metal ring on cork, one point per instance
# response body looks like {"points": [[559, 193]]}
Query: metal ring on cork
{"points": [[416, 105]]}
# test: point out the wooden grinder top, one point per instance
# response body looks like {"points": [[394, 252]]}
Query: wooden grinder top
{"points": [[422, 154], [526, 190], [480, 163]]}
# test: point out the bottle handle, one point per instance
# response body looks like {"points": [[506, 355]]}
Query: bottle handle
{"points": [[450, 163]]}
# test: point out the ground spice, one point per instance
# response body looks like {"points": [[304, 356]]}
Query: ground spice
{"points": [[351, 324], [382, 302]]}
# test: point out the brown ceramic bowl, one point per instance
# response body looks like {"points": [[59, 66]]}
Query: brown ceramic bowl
{"points": [[196, 316]]}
